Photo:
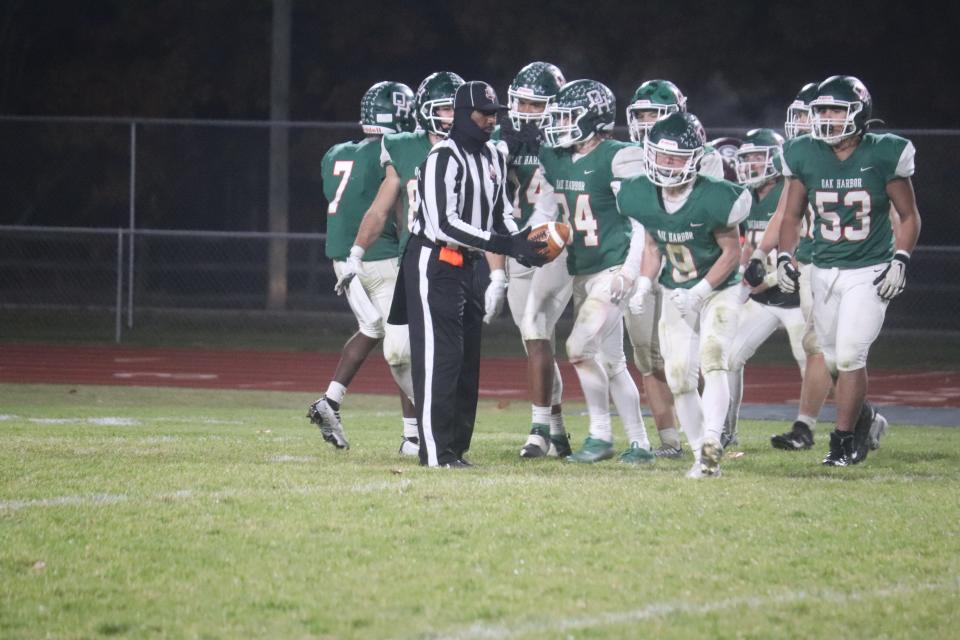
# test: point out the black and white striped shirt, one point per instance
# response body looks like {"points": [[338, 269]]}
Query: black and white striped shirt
{"points": [[462, 196]]}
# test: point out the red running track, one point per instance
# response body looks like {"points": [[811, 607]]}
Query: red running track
{"points": [[502, 378]]}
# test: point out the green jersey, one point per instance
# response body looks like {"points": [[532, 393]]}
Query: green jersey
{"points": [[851, 206], [406, 152], [583, 190], [685, 236], [351, 176], [525, 179]]}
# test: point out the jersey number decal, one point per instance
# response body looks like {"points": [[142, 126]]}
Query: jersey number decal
{"points": [[340, 168], [831, 228], [684, 268], [583, 219], [533, 186]]}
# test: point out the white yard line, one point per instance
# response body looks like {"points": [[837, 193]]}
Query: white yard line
{"points": [[664, 609]]}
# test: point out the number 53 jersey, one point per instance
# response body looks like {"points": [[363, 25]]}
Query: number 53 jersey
{"points": [[851, 226], [685, 236]]}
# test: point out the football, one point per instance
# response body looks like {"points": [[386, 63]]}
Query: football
{"points": [[556, 234]]}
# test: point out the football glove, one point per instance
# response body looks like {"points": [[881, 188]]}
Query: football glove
{"points": [[494, 296], [893, 279], [639, 297], [788, 278], [351, 268], [756, 269], [689, 301]]}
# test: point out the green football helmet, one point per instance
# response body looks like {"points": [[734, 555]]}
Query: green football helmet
{"points": [[840, 92], [673, 149], [437, 90], [754, 171], [659, 97], [798, 113], [536, 82], [582, 109], [387, 107]]}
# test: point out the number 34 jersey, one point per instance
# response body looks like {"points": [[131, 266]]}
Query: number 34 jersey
{"points": [[583, 191], [685, 236], [849, 197]]}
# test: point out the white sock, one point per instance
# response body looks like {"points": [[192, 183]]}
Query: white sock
{"points": [[716, 401], [410, 428], [626, 397], [557, 428], [690, 414], [600, 427], [810, 421], [596, 390], [540, 415], [335, 392], [556, 396], [735, 380], [670, 437]]}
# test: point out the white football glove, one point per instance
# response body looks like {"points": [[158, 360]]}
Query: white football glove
{"points": [[494, 296], [894, 278], [788, 278], [621, 287], [351, 268], [689, 301], [638, 299]]}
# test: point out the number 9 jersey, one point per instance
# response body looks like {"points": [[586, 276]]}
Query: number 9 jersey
{"points": [[849, 197], [685, 236]]}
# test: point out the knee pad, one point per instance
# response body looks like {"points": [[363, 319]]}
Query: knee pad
{"points": [[713, 356], [680, 380]]}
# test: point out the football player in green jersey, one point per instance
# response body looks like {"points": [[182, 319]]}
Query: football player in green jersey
{"points": [[582, 168], [860, 259], [758, 163], [530, 94], [351, 178], [817, 382], [692, 220]]}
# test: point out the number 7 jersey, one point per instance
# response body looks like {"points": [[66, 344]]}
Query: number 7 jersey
{"points": [[851, 225]]}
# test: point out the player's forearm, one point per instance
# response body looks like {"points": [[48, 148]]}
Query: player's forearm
{"points": [[372, 225], [771, 235], [723, 267], [496, 261], [650, 263]]}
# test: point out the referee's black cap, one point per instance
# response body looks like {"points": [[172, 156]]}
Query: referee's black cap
{"points": [[477, 96]]}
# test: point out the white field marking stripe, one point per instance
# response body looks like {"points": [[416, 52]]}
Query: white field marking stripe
{"points": [[664, 609], [99, 499]]}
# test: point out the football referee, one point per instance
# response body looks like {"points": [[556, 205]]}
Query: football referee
{"points": [[463, 212]]}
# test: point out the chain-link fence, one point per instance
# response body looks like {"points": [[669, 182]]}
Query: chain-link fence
{"points": [[154, 232]]}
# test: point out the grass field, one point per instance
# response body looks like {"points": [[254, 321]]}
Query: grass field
{"points": [[134, 512]]}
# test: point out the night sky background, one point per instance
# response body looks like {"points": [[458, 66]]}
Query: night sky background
{"points": [[739, 63]]}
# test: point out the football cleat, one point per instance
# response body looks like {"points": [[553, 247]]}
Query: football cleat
{"points": [[799, 437], [537, 444], [878, 427], [410, 447], [593, 450], [637, 455], [861, 432], [560, 445], [728, 438], [323, 414], [841, 452], [710, 454], [666, 451]]}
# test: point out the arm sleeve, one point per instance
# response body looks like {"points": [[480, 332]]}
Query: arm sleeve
{"points": [[740, 209], [638, 239], [384, 153], [905, 165], [712, 164]]}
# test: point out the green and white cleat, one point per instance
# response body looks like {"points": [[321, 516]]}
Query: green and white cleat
{"points": [[637, 455], [560, 445], [593, 450], [710, 454], [537, 444]]}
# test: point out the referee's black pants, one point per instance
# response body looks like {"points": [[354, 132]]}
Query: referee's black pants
{"points": [[445, 315]]}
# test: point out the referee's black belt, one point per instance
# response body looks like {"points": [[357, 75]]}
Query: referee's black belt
{"points": [[468, 254]]}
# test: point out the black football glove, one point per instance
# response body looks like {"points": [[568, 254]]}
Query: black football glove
{"points": [[530, 137], [756, 270], [519, 247]]}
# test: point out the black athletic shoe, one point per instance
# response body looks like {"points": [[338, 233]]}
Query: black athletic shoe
{"points": [[561, 444], [841, 450], [799, 437], [456, 464], [861, 432]]}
